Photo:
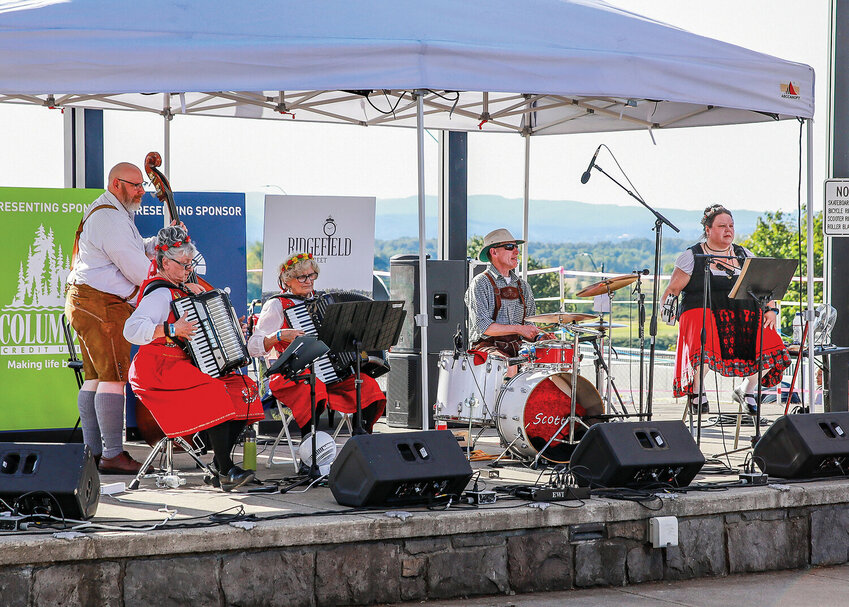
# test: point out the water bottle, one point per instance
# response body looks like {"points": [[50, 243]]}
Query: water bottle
{"points": [[249, 455], [797, 328]]}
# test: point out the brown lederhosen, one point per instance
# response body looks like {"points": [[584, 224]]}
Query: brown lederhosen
{"points": [[98, 318], [510, 344]]}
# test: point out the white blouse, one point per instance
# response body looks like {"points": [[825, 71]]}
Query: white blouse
{"points": [[151, 312]]}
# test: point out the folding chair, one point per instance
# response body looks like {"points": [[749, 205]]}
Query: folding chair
{"points": [[286, 416]]}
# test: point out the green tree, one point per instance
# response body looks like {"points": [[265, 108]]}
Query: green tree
{"points": [[254, 278], [777, 235]]}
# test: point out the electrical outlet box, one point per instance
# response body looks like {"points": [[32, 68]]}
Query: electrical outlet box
{"points": [[663, 531]]}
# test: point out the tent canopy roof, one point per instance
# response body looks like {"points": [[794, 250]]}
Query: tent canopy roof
{"points": [[545, 66]]}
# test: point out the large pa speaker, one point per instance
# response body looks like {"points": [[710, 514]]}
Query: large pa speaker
{"points": [[59, 479], [805, 446], [401, 468], [636, 454], [404, 390], [446, 285]]}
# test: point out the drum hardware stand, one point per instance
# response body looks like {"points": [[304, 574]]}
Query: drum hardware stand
{"points": [[641, 333], [573, 405], [602, 366], [658, 246]]}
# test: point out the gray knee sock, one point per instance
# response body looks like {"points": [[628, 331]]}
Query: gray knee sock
{"points": [[110, 416], [88, 421]]}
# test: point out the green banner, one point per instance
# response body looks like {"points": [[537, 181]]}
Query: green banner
{"points": [[38, 390]]}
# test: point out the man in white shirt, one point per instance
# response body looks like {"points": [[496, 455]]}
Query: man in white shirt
{"points": [[110, 261]]}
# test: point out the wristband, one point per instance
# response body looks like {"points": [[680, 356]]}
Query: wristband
{"points": [[171, 330], [165, 329], [776, 310], [279, 335]]}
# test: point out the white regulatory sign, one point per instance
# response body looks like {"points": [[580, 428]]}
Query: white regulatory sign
{"points": [[836, 220]]}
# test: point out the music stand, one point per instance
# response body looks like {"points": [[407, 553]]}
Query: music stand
{"points": [[355, 326], [763, 279], [299, 355]]}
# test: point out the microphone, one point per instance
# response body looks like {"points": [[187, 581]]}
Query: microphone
{"points": [[644, 271], [586, 176]]}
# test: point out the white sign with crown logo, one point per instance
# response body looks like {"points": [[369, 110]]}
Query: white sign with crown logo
{"points": [[337, 230]]}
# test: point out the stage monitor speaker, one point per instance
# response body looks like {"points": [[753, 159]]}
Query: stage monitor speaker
{"points": [[805, 446], [401, 468], [636, 454], [446, 285], [59, 479], [404, 390]]}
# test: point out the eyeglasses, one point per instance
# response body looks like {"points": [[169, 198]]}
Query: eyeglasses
{"points": [[311, 277], [507, 247], [186, 266], [140, 184]]}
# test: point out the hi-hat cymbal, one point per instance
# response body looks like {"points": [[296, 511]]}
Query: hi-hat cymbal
{"points": [[560, 318], [601, 325], [608, 284]]}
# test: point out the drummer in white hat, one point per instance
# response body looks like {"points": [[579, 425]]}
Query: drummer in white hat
{"points": [[499, 301]]}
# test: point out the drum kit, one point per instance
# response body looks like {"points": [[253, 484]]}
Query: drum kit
{"points": [[532, 411]]}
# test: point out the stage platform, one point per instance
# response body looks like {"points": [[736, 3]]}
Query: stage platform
{"points": [[197, 544]]}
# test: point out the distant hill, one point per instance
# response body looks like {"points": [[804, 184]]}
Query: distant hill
{"points": [[550, 221]]}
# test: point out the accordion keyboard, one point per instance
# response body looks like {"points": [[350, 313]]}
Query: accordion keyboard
{"points": [[299, 318], [218, 345]]}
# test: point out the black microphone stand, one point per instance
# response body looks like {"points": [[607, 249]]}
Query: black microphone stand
{"points": [[658, 245]]}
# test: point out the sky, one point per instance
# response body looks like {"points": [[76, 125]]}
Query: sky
{"points": [[747, 166]]}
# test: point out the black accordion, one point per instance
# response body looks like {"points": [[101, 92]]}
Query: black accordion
{"points": [[218, 345], [333, 366]]}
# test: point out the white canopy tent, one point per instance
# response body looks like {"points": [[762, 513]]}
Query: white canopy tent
{"points": [[536, 67]]}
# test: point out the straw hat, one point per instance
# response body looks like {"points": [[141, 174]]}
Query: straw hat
{"points": [[495, 238]]}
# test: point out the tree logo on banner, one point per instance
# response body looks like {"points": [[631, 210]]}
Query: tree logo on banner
{"points": [[31, 321]]}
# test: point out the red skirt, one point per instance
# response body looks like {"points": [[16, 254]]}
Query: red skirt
{"points": [[183, 399], [340, 396], [296, 396], [774, 358]]}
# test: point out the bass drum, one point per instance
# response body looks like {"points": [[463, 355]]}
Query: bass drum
{"points": [[532, 407]]}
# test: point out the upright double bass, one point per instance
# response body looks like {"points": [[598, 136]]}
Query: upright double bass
{"points": [[166, 195]]}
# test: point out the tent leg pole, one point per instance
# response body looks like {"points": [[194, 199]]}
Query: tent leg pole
{"points": [[423, 309], [810, 272], [525, 208]]}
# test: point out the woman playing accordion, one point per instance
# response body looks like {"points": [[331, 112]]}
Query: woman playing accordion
{"points": [[273, 332], [182, 398]]}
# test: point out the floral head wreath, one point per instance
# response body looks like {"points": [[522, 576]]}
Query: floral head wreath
{"points": [[176, 245], [295, 259]]}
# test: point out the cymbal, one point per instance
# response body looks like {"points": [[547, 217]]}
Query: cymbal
{"points": [[601, 325], [560, 318], [608, 284]]}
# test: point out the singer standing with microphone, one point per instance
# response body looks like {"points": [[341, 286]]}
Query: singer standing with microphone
{"points": [[731, 325]]}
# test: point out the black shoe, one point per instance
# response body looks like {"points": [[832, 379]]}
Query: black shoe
{"points": [[212, 479], [235, 478], [694, 406], [752, 409]]}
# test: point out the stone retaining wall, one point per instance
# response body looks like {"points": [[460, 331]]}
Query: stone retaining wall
{"points": [[381, 560]]}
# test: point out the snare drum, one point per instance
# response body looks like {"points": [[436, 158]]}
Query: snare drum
{"points": [[533, 406], [552, 352], [468, 392]]}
